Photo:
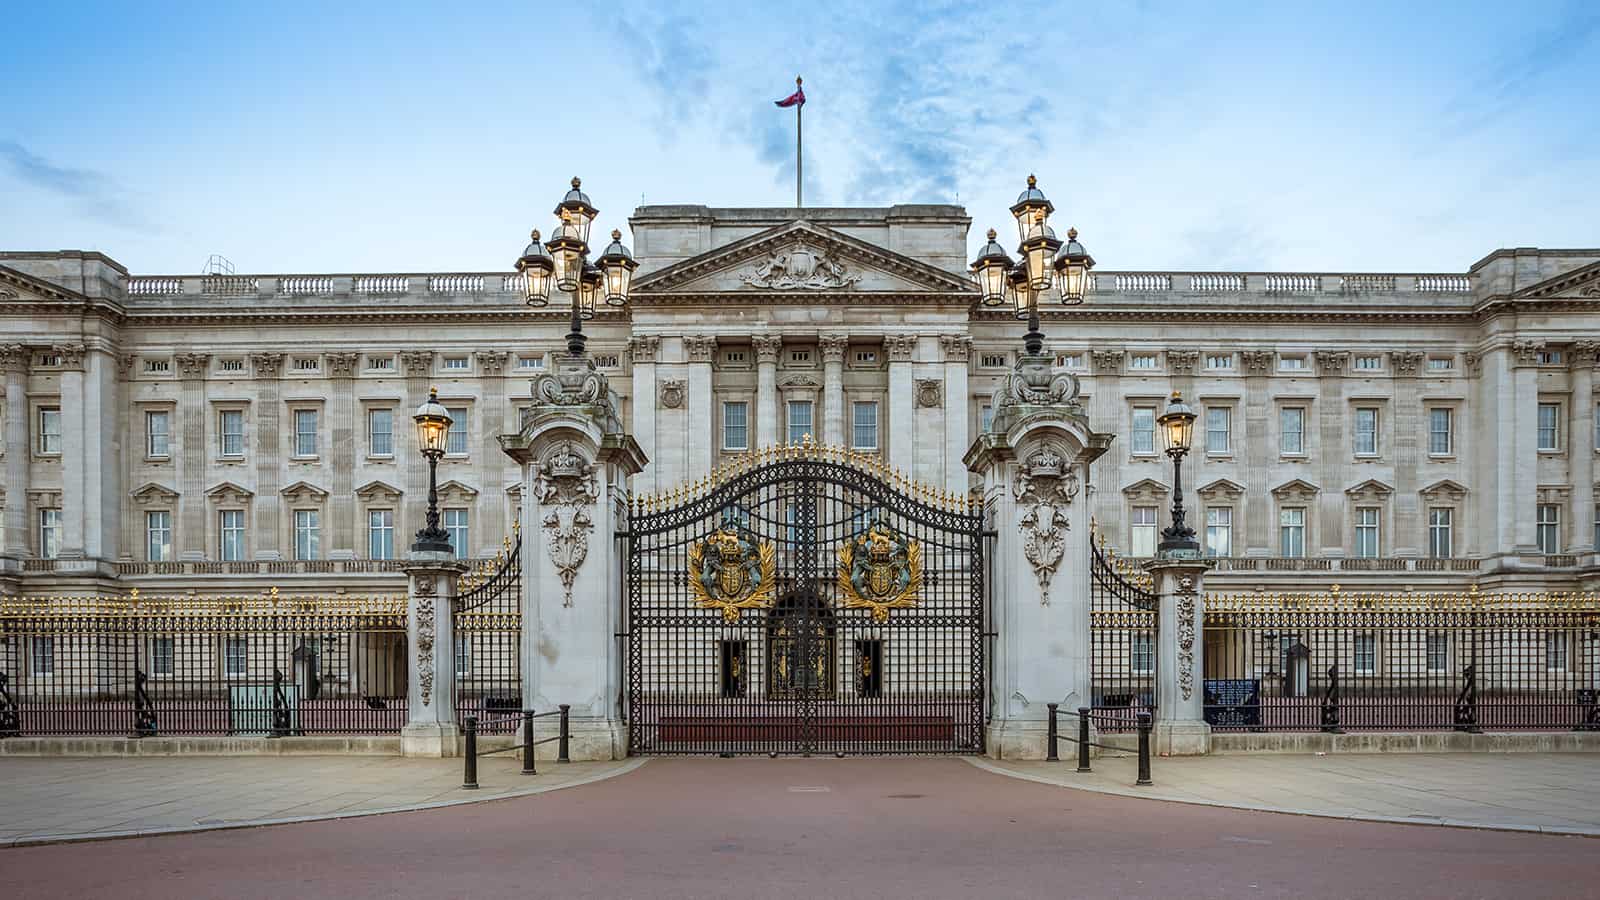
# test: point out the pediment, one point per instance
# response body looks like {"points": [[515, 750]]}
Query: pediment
{"points": [[229, 492], [151, 492], [800, 260], [303, 491], [1221, 489], [378, 490], [16, 287], [1296, 489], [1146, 489], [1371, 489], [1582, 283], [1444, 489], [455, 491]]}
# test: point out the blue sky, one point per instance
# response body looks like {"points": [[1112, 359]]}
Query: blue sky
{"points": [[423, 137]]}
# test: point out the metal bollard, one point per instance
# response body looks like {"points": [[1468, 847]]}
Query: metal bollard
{"points": [[562, 756], [469, 779], [527, 743], [1083, 739], [1050, 738], [1144, 748]]}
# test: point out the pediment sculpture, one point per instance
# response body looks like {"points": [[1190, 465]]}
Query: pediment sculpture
{"points": [[800, 267]]}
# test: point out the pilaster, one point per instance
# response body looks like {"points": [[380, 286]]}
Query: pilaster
{"points": [[833, 347], [700, 450], [902, 431], [1580, 536], [413, 505], [75, 462], [190, 527], [489, 526], [1262, 440], [1406, 538], [343, 449], [767, 349], [14, 362], [957, 410], [268, 506], [645, 350]]}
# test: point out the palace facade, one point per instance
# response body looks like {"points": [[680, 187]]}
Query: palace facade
{"points": [[225, 434]]}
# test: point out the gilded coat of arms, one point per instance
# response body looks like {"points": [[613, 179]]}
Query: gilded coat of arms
{"points": [[880, 570], [732, 571]]}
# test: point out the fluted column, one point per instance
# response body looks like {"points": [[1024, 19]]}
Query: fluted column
{"points": [[957, 411], [343, 447], [74, 465], [14, 361], [700, 453], [645, 349], [767, 349], [490, 525], [1580, 537], [191, 459], [833, 347], [901, 434], [267, 507], [1258, 526], [413, 505]]}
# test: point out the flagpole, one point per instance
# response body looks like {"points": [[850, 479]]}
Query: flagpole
{"points": [[799, 158]]}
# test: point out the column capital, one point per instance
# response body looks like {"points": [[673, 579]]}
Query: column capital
{"points": [[700, 347], [14, 358], [1257, 362], [833, 347], [192, 365], [1405, 362], [1527, 352], [957, 347], [72, 355], [268, 364], [1332, 362], [1584, 354], [644, 348], [492, 362], [417, 363], [1182, 362], [767, 347], [900, 347], [343, 364], [1106, 362]]}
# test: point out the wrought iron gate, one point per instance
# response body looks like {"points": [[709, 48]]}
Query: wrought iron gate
{"points": [[1122, 638], [488, 638], [805, 600]]}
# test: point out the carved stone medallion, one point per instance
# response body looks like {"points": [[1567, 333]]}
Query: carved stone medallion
{"points": [[800, 267], [672, 392]]}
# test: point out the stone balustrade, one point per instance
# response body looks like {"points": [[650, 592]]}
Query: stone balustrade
{"points": [[1275, 283]]}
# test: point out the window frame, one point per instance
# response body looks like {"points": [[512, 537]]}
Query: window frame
{"points": [[1213, 528], [1371, 640], [229, 643], [374, 531], [312, 532], [1227, 430], [315, 434], [224, 530], [150, 532], [1449, 431], [729, 426], [223, 434], [1286, 528], [1555, 428], [1553, 525], [462, 550], [810, 426], [47, 443], [1367, 532], [49, 532], [150, 416], [1136, 433], [1373, 413], [372, 445], [1447, 528], [1141, 648], [460, 418], [856, 406], [1300, 411], [1142, 533]]}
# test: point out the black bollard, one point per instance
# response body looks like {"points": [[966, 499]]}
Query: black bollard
{"points": [[469, 778], [527, 743], [1050, 737], [1083, 739], [1144, 748], [562, 756]]}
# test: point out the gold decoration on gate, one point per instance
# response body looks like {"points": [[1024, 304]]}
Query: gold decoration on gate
{"points": [[880, 570], [732, 571]]}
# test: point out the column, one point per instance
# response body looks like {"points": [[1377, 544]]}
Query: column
{"points": [[1107, 405], [1580, 534], [132, 530], [767, 349], [14, 362], [1408, 459], [74, 463], [1180, 726], [267, 436], [1519, 506], [191, 464], [833, 348], [343, 449], [700, 449], [1333, 455], [957, 411], [430, 728], [413, 505], [902, 429], [1259, 458], [645, 349], [488, 527]]}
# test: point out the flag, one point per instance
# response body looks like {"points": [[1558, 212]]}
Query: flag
{"points": [[798, 98]]}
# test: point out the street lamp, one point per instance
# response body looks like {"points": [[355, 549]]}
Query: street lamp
{"points": [[564, 260], [1177, 433], [1045, 262], [433, 427]]}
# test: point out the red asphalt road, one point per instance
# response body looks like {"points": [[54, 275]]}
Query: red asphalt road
{"points": [[817, 828]]}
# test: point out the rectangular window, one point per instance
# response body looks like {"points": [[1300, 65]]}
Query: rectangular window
{"points": [[1142, 653], [1555, 651], [1216, 361], [1292, 363], [158, 535], [733, 667], [232, 365], [1366, 532], [49, 429], [157, 433], [1440, 364], [307, 534], [1440, 524], [1069, 360], [789, 514], [864, 425], [735, 425], [1292, 531], [380, 432], [154, 366], [530, 362], [802, 357], [1366, 653], [42, 651], [1144, 430], [992, 360], [1549, 357], [1292, 430], [1440, 438], [163, 661], [1142, 532], [1597, 526], [455, 363], [1549, 528], [455, 442], [1142, 361], [230, 430], [230, 526], [455, 525], [380, 534], [800, 421], [50, 533], [463, 655], [1369, 363], [608, 360], [985, 417], [866, 356], [306, 364], [1219, 420], [305, 432], [1219, 531], [1549, 426], [235, 656], [1366, 431], [381, 363], [1438, 651]]}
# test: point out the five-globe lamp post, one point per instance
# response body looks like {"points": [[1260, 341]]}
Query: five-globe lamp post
{"points": [[1177, 434], [1046, 262], [562, 261], [433, 429]]}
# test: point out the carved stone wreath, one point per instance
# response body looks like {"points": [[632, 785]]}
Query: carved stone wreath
{"points": [[929, 391], [673, 391]]}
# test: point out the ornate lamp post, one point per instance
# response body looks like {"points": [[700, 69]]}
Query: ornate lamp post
{"points": [[564, 261], [1177, 432], [433, 426], [1045, 263]]}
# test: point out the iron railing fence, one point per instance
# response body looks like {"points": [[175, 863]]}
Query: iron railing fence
{"points": [[1342, 661], [145, 666], [488, 641], [1122, 640]]}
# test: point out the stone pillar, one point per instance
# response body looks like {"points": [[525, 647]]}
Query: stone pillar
{"points": [[645, 350], [700, 450], [902, 428], [576, 462], [767, 349], [430, 632], [343, 449], [1409, 531], [489, 525], [74, 462], [957, 411], [1260, 453], [413, 505], [1518, 509], [18, 439], [1108, 405], [190, 457], [267, 507], [1034, 461], [833, 347], [1580, 536], [1181, 728], [1332, 457]]}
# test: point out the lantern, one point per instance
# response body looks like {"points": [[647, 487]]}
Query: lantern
{"points": [[1038, 250], [567, 250], [576, 208], [1177, 426], [591, 285], [992, 269], [617, 264], [433, 424], [536, 266], [1029, 204], [1023, 294], [1072, 269]]}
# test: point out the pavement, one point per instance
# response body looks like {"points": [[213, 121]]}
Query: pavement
{"points": [[1556, 793], [807, 828], [87, 798]]}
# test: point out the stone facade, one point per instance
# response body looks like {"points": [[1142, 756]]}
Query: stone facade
{"points": [[227, 433]]}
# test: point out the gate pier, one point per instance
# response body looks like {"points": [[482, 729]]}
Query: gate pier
{"points": [[430, 728], [1180, 726]]}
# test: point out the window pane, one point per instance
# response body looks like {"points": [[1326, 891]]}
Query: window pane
{"points": [[49, 533], [380, 534], [1555, 650], [864, 434], [1292, 430], [1143, 531], [50, 429], [800, 421], [1439, 538], [455, 525], [1292, 532], [232, 534], [1366, 532], [235, 657], [158, 531], [1366, 653], [1144, 429], [1366, 431], [1219, 531], [157, 434], [1217, 422], [1438, 651], [1549, 528], [456, 440], [161, 656], [43, 653], [735, 426], [1549, 426], [380, 432], [307, 534], [1439, 438], [305, 432]]}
